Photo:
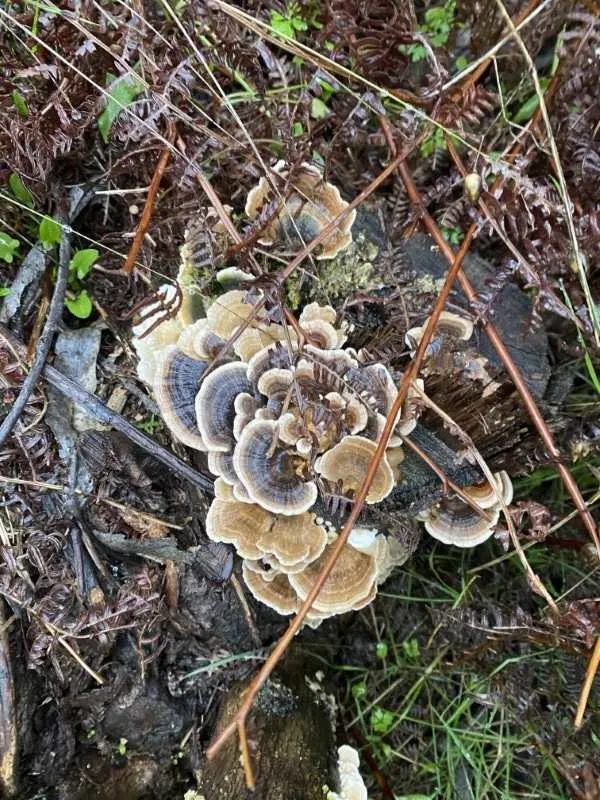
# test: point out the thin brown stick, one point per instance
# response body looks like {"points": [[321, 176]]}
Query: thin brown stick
{"points": [[509, 364], [587, 685], [149, 204], [239, 720]]}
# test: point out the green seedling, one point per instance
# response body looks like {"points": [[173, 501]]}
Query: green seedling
{"points": [[123, 91], [8, 246], [78, 300], [20, 191]]}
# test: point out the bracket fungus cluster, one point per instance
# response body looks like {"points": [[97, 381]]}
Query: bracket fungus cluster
{"points": [[290, 415]]}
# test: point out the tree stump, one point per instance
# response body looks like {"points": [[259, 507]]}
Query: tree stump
{"points": [[290, 736]]}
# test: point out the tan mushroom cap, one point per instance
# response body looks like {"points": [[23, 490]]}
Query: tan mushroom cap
{"points": [[245, 407], [215, 404], [293, 541], [256, 337], [227, 313], [239, 524], [349, 586], [271, 357], [271, 475], [356, 414], [314, 311], [453, 522], [323, 334], [449, 324], [291, 428], [311, 205], [276, 592], [275, 381], [151, 336], [348, 462], [487, 496], [176, 381]]}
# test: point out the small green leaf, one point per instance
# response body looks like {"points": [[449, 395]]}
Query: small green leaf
{"points": [[297, 129], [281, 24], [526, 111], [121, 94], [381, 720], [81, 306], [381, 650], [359, 690], [8, 245], [318, 109], [411, 649], [50, 231], [4, 291], [82, 261], [20, 103], [20, 191]]}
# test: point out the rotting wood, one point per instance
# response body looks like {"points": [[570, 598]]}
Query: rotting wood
{"points": [[46, 339], [290, 737], [97, 409], [8, 719]]}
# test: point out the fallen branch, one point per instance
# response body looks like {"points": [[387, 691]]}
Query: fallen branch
{"points": [[97, 409], [44, 344]]}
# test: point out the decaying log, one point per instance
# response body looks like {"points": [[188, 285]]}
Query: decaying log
{"points": [[8, 721], [290, 736]]}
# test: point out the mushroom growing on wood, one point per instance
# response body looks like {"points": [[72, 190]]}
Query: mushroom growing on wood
{"points": [[311, 205], [452, 521], [348, 462], [272, 476], [176, 381]]}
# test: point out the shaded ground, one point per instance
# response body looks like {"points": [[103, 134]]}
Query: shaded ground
{"points": [[456, 682]]}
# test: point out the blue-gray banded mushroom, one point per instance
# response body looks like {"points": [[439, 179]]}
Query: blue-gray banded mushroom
{"points": [[452, 521], [283, 415]]}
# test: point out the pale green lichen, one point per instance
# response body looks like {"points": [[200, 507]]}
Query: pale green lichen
{"points": [[335, 279]]}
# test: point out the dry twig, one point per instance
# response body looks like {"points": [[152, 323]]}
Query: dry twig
{"points": [[149, 204], [45, 341]]}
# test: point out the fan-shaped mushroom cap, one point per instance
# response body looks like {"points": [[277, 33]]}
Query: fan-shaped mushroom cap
{"points": [[149, 341], [324, 335], [487, 496], [228, 312], [293, 541], [269, 473], [449, 324], [239, 524], [356, 414], [314, 311], [176, 381], [291, 428], [215, 404], [350, 584], [275, 382], [274, 356], [453, 522], [254, 338], [245, 407], [275, 592], [348, 462], [311, 206]]}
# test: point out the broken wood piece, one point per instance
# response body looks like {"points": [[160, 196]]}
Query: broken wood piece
{"points": [[290, 739]]}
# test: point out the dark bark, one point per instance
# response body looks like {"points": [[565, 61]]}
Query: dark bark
{"points": [[291, 740]]}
